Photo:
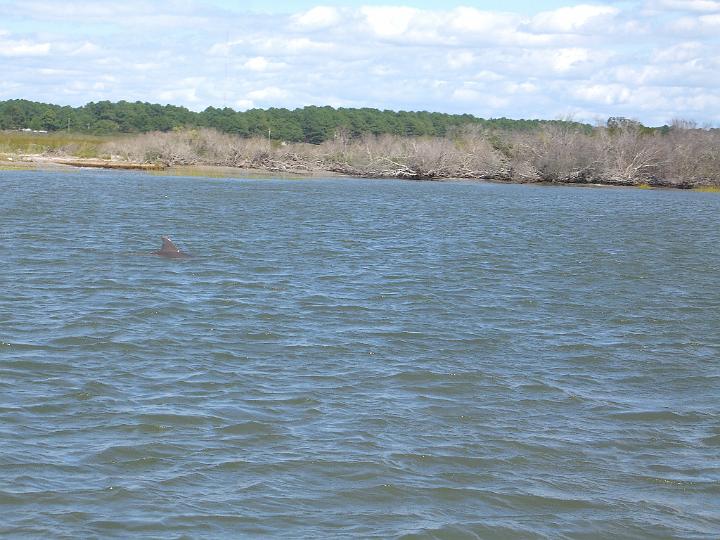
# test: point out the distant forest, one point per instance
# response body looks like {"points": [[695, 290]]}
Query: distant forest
{"points": [[310, 124]]}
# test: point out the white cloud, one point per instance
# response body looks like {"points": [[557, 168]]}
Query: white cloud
{"points": [[651, 59], [460, 59], [146, 66], [389, 21], [486, 75], [221, 49], [608, 94], [23, 48], [679, 52], [87, 48], [686, 5], [466, 94], [317, 18], [8, 89], [58, 72], [381, 70], [479, 96], [521, 88], [466, 19], [575, 19], [244, 104], [269, 93], [128, 13], [710, 21], [178, 95], [566, 59], [697, 25], [185, 90], [270, 45], [260, 63]]}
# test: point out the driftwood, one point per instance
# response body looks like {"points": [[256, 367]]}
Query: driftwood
{"points": [[619, 156], [109, 164]]}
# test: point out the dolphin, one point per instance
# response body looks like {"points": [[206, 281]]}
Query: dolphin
{"points": [[170, 250]]}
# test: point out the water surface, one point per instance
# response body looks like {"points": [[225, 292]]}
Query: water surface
{"points": [[356, 358]]}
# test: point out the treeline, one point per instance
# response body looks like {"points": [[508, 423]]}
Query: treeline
{"points": [[311, 124]]}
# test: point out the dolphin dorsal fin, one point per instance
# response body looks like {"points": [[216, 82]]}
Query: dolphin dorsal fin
{"points": [[168, 246]]}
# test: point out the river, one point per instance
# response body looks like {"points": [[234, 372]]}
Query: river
{"points": [[348, 358]]}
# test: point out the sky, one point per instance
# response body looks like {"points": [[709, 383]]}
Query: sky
{"points": [[650, 60]]}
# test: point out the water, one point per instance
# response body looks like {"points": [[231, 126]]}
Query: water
{"points": [[356, 358]]}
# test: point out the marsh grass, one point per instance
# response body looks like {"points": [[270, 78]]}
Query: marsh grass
{"points": [[16, 166], [708, 189], [75, 144]]}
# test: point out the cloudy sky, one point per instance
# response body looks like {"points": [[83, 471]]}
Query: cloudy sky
{"points": [[653, 60]]}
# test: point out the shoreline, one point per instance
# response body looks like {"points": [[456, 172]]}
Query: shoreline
{"points": [[45, 162]]}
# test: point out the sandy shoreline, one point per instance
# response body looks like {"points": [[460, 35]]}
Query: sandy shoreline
{"points": [[45, 162]]}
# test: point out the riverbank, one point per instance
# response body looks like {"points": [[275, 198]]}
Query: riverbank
{"points": [[216, 171], [41, 162], [684, 159]]}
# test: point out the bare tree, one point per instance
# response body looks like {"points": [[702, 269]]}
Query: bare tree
{"points": [[626, 153]]}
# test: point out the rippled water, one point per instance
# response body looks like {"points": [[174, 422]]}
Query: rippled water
{"points": [[356, 358]]}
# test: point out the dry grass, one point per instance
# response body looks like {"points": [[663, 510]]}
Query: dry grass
{"points": [[60, 142], [555, 153], [684, 157], [417, 158], [628, 156]]}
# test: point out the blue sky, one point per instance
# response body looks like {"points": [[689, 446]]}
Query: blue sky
{"points": [[293, 6], [653, 60]]}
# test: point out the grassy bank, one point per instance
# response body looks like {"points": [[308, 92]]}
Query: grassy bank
{"points": [[57, 143]]}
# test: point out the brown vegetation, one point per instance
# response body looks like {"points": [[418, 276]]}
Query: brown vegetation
{"points": [[623, 154]]}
